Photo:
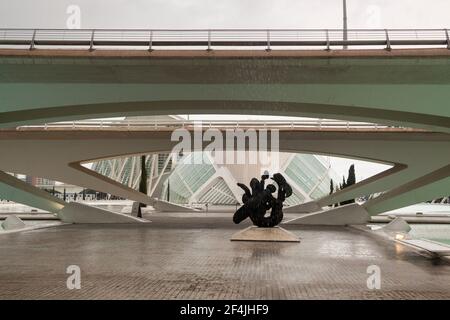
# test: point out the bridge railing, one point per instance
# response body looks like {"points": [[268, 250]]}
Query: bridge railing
{"points": [[158, 125], [221, 38]]}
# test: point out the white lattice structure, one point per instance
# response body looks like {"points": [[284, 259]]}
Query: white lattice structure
{"points": [[187, 181]]}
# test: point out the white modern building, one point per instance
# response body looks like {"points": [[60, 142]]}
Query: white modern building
{"points": [[186, 181]]}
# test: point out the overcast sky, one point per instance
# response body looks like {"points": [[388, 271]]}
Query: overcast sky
{"points": [[226, 13]]}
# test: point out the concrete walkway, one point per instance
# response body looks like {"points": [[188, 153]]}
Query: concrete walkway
{"points": [[193, 258]]}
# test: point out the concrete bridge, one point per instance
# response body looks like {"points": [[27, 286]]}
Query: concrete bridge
{"points": [[414, 175], [395, 87], [400, 88]]}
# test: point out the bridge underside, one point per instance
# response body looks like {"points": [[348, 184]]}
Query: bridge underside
{"points": [[414, 176], [399, 88], [396, 88]]}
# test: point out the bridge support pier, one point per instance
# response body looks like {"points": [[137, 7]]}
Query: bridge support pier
{"points": [[16, 190], [428, 187], [340, 216], [79, 213]]}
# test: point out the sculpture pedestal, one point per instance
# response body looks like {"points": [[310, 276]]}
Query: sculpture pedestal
{"points": [[275, 234]]}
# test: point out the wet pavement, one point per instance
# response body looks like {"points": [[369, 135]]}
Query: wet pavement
{"points": [[192, 258]]}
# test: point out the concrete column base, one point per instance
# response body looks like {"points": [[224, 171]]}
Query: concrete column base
{"points": [[13, 222], [164, 206], [340, 216], [306, 207], [79, 213]]}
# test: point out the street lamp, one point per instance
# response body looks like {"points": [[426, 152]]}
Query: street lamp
{"points": [[344, 8]]}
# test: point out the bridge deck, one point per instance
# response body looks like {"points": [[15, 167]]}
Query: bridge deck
{"points": [[164, 53]]}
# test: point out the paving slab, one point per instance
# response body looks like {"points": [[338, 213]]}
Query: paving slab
{"points": [[193, 258]]}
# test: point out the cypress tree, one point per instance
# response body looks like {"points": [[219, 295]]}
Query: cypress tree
{"points": [[143, 183], [343, 184], [351, 180], [168, 189], [331, 190]]}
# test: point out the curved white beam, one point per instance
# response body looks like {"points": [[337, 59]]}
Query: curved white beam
{"points": [[408, 150]]}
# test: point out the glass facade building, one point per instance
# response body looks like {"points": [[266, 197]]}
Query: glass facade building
{"points": [[195, 178]]}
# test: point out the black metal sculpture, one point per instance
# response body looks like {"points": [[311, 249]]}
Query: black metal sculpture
{"points": [[260, 199]]}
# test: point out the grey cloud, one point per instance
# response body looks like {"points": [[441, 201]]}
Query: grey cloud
{"points": [[226, 13]]}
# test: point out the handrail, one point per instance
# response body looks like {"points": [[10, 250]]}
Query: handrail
{"points": [[155, 125], [209, 39]]}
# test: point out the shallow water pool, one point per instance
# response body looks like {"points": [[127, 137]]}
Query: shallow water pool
{"points": [[435, 232]]}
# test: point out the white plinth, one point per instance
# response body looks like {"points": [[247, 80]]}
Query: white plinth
{"points": [[74, 212], [275, 234], [340, 216], [13, 222]]}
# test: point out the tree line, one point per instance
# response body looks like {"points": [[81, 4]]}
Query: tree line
{"points": [[351, 180]]}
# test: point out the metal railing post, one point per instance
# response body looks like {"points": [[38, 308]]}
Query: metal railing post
{"points": [[388, 41], [209, 41], [447, 38], [150, 42], [32, 40], [91, 46], [328, 41], [237, 38]]}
